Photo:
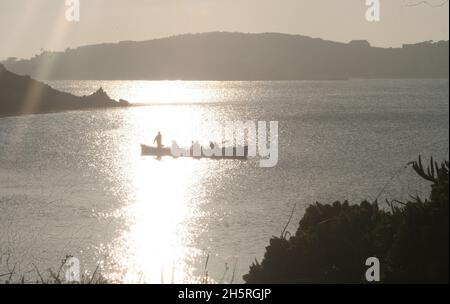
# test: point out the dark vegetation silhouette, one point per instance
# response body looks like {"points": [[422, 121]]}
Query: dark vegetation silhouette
{"points": [[333, 241], [237, 56], [51, 276], [21, 95]]}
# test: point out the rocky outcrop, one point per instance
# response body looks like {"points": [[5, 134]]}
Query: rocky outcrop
{"points": [[20, 95]]}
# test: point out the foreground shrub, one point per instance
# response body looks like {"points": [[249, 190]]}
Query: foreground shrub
{"points": [[333, 241]]}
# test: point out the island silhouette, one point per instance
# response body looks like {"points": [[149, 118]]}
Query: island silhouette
{"points": [[237, 56]]}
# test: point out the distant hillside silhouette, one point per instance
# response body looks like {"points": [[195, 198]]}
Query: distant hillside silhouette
{"points": [[238, 56], [21, 95]]}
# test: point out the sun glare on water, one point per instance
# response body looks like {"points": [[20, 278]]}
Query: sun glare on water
{"points": [[163, 92], [154, 249], [161, 209]]}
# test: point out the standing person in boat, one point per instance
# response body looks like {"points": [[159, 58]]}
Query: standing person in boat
{"points": [[158, 140]]}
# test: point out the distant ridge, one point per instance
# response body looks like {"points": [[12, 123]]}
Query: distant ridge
{"points": [[237, 56], [20, 95]]}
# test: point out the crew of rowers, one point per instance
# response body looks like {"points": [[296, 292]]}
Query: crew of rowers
{"points": [[158, 140]]}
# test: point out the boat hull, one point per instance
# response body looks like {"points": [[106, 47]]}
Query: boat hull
{"points": [[227, 153]]}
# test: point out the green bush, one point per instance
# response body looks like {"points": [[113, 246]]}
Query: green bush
{"points": [[333, 241]]}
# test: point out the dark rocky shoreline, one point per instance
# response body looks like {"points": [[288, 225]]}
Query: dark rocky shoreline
{"points": [[22, 95]]}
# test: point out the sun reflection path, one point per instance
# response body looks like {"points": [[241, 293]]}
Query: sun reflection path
{"points": [[164, 92], [160, 212]]}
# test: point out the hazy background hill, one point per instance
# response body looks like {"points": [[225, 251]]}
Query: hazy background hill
{"points": [[237, 56]]}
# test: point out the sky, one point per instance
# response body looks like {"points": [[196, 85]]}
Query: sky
{"points": [[28, 26]]}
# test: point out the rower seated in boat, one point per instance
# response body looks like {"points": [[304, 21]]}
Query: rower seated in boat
{"points": [[196, 149]]}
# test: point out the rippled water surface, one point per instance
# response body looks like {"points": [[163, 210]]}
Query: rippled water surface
{"points": [[75, 183]]}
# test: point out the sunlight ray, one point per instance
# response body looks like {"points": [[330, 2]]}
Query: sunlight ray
{"points": [[34, 93]]}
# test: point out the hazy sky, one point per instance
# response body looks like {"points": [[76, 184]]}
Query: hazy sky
{"points": [[26, 26]]}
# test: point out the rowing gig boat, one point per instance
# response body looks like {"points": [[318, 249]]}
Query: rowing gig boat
{"points": [[227, 152]]}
